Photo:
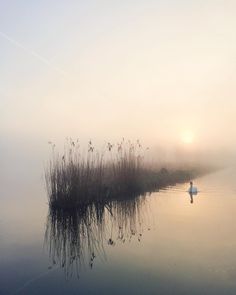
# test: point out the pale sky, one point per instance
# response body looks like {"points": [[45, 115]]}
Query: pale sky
{"points": [[153, 70]]}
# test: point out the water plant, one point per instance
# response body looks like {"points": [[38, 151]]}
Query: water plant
{"points": [[80, 178]]}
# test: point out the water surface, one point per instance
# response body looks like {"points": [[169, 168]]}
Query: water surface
{"points": [[158, 244]]}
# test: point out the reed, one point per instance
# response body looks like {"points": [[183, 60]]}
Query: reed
{"points": [[119, 171]]}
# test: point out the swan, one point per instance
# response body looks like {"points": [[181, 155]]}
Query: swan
{"points": [[192, 189]]}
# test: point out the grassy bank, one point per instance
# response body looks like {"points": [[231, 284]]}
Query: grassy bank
{"points": [[75, 179]]}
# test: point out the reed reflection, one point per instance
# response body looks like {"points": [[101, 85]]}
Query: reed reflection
{"points": [[76, 238]]}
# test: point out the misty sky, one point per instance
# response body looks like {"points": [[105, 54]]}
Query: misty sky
{"points": [[107, 69]]}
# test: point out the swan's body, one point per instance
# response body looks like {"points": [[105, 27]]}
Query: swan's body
{"points": [[192, 189]]}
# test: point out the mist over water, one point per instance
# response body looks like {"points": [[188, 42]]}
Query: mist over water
{"points": [[161, 73], [150, 71]]}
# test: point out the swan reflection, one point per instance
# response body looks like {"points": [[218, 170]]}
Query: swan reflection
{"points": [[193, 191]]}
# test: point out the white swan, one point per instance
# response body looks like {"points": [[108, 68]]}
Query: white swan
{"points": [[192, 189]]}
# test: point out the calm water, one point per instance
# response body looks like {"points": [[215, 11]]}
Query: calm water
{"points": [[161, 244]]}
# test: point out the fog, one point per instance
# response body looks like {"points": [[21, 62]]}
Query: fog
{"points": [[159, 71]]}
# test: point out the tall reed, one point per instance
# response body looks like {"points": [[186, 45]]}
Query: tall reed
{"points": [[78, 178], [75, 178]]}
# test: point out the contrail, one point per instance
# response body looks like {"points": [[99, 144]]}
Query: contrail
{"points": [[34, 54], [43, 59]]}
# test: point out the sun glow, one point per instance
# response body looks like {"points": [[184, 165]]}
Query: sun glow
{"points": [[187, 137]]}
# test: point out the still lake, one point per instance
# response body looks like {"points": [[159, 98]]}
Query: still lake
{"points": [[158, 244]]}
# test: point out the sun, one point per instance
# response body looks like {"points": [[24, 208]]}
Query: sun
{"points": [[187, 137]]}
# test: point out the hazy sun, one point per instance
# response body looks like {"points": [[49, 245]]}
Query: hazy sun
{"points": [[187, 137]]}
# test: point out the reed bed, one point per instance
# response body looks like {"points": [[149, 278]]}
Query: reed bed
{"points": [[119, 171]]}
